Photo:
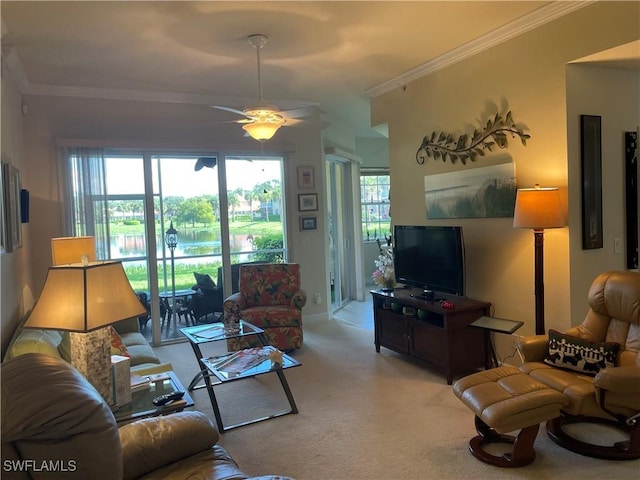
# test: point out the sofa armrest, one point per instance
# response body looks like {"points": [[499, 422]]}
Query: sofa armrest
{"points": [[619, 380], [153, 443], [299, 299], [234, 303], [533, 348]]}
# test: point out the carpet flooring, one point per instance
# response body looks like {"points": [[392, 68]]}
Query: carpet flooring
{"points": [[364, 415]]}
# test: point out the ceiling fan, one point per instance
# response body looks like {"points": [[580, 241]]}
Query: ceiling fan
{"points": [[262, 121]]}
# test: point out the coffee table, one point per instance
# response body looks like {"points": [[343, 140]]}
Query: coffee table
{"points": [[142, 401], [214, 371]]}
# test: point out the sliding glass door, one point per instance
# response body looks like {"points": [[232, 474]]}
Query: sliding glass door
{"points": [[139, 196]]}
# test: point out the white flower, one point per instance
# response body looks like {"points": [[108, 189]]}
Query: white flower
{"points": [[384, 275]]}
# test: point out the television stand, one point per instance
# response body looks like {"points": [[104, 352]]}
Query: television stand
{"points": [[429, 296], [442, 338]]}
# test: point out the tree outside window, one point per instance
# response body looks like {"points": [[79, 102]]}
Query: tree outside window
{"points": [[376, 204]]}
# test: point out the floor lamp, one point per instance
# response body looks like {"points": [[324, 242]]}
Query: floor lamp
{"points": [[84, 299], [538, 208]]}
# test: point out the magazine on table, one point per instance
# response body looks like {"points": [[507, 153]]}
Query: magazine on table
{"points": [[215, 331], [242, 360]]}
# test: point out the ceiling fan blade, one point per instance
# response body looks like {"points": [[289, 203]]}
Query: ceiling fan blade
{"points": [[232, 110], [298, 112]]}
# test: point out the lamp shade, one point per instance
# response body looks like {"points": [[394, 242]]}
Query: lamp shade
{"points": [[66, 250], [82, 298], [538, 208], [261, 130]]}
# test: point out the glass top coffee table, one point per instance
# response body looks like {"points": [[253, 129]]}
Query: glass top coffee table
{"points": [[142, 405], [238, 365]]}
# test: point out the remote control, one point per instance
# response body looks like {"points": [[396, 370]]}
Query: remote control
{"points": [[167, 397]]}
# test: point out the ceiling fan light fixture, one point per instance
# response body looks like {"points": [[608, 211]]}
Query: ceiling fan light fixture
{"points": [[261, 131]]}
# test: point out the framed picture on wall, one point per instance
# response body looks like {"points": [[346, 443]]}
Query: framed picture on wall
{"points": [[591, 163], [305, 177], [307, 202], [12, 199], [308, 223]]}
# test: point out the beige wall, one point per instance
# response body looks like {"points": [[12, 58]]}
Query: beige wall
{"points": [[611, 94], [526, 75], [16, 295]]}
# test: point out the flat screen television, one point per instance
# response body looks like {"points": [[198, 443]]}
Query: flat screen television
{"points": [[431, 258]]}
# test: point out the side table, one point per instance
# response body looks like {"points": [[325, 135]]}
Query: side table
{"points": [[213, 372], [497, 325], [142, 401]]}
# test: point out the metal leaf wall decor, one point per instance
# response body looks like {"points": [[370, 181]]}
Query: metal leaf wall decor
{"points": [[445, 146]]}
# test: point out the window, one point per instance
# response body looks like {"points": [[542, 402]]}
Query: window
{"points": [[376, 204], [109, 197]]}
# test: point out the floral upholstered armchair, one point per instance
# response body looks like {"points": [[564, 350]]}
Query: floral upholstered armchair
{"points": [[270, 298]]}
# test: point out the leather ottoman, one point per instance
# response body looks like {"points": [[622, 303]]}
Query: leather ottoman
{"points": [[504, 399]]}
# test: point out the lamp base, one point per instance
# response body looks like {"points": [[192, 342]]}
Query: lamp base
{"points": [[91, 356]]}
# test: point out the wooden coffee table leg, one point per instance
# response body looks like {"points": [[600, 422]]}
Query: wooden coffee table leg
{"points": [[522, 453]]}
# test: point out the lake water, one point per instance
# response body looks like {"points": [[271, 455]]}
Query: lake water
{"points": [[192, 243]]}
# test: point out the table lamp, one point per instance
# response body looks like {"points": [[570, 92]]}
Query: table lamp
{"points": [[66, 250], [538, 208], [84, 299]]}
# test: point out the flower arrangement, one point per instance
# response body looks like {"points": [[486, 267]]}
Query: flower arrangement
{"points": [[383, 275]]}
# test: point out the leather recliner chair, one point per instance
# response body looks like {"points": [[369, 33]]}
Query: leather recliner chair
{"points": [[56, 425], [612, 395]]}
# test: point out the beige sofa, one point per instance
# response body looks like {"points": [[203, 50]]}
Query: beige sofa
{"points": [[55, 343], [53, 417]]}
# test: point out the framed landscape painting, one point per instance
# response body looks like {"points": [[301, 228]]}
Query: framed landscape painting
{"points": [[472, 192]]}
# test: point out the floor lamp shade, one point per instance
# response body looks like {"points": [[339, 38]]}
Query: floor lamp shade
{"points": [[538, 208], [84, 299], [65, 250]]}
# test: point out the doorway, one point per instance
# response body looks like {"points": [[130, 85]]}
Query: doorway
{"points": [[345, 263]]}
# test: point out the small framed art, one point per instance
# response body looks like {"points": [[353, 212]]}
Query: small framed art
{"points": [[308, 202], [305, 177], [308, 223]]}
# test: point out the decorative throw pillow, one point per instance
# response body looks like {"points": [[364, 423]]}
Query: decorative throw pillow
{"points": [[117, 345], [581, 355], [204, 281]]}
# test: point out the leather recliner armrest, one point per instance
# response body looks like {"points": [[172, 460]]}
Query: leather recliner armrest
{"points": [[533, 348], [619, 380], [153, 443]]}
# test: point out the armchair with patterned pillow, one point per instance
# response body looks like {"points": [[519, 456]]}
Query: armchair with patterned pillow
{"points": [[270, 298]]}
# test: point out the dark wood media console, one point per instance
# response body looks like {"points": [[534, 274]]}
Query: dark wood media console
{"points": [[442, 338]]}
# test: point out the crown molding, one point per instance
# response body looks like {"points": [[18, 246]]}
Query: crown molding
{"points": [[538, 17]]}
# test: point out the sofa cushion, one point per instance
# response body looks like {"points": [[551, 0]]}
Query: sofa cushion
{"points": [[574, 353]]}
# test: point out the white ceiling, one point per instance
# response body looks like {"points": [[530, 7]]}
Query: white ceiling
{"points": [[321, 53]]}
